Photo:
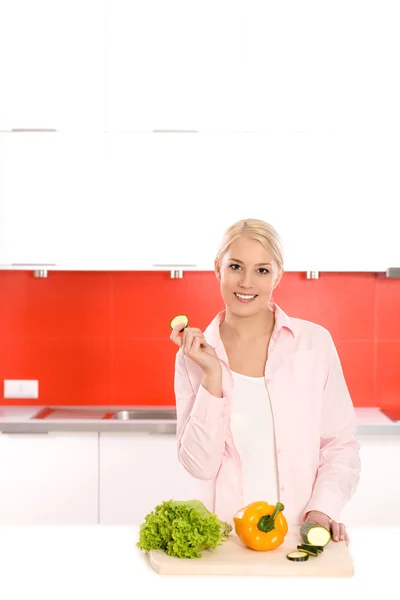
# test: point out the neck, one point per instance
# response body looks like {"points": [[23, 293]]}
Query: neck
{"points": [[248, 329]]}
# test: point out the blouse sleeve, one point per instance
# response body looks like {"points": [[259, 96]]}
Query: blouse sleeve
{"points": [[201, 425], [339, 466]]}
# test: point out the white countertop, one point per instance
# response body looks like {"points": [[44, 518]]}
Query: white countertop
{"points": [[369, 420], [102, 562], [11, 413]]}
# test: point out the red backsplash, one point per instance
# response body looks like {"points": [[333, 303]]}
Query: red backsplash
{"points": [[102, 338]]}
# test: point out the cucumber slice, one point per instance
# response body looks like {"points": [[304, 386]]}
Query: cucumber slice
{"points": [[314, 535], [310, 547], [309, 550], [299, 556], [184, 319]]}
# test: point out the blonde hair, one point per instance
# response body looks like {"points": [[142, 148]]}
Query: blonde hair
{"points": [[255, 229]]}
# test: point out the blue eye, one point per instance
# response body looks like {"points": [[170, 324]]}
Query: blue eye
{"points": [[260, 269]]}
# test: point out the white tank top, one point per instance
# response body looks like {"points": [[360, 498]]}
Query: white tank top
{"points": [[253, 432]]}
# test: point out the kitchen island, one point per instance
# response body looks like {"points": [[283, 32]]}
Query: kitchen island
{"points": [[103, 562]]}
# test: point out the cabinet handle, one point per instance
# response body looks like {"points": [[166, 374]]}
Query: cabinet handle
{"points": [[175, 131], [23, 130], [24, 432], [393, 273]]}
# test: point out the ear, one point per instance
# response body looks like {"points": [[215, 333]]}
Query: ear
{"points": [[278, 279], [217, 270]]}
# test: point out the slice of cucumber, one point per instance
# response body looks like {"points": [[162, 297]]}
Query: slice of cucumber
{"points": [[184, 319], [308, 549], [314, 535], [299, 556]]}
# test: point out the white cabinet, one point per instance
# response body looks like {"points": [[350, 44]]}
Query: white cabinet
{"points": [[49, 478], [144, 201], [137, 472], [52, 201], [31, 182], [89, 222], [117, 478], [337, 196], [175, 65], [377, 498], [52, 65], [312, 66], [174, 194]]}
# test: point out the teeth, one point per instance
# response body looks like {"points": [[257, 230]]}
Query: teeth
{"points": [[245, 297]]}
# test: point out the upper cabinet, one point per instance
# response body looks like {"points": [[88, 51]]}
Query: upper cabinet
{"points": [[52, 209], [319, 66], [175, 65], [251, 65], [331, 197], [174, 120], [161, 201], [31, 201], [52, 65]]}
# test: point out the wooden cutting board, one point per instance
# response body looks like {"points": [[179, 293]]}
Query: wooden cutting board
{"points": [[233, 558]]}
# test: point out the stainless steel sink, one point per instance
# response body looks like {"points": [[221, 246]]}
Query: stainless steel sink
{"points": [[145, 415]]}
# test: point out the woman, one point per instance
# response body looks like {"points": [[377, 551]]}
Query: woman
{"points": [[263, 409]]}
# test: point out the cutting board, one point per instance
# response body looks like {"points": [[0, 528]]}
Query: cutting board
{"points": [[233, 558]]}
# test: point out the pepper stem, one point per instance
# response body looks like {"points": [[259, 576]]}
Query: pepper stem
{"points": [[267, 522]]}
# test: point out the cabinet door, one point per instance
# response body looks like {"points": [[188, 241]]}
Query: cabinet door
{"points": [[130, 173], [332, 198], [175, 65], [31, 168], [315, 67], [52, 65], [49, 478], [90, 222], [166, 194], [350, 190], [376, 501], [137, 472]]}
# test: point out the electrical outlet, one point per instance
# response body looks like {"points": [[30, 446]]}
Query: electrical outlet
{"points": [[21, 388]]}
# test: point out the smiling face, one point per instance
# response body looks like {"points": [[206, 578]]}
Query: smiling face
{"points": [[247, 269]]}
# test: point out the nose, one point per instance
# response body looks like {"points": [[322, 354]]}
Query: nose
{"points": [[246, 281]]}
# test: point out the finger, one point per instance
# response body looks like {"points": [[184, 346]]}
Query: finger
{"points": [[342, 534], [195, 347], [188, 337], [175, 337], [200, 341], [187, 340], [335, 531]]}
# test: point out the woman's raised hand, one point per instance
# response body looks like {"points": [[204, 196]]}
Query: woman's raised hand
{"points": [[193, 344]]}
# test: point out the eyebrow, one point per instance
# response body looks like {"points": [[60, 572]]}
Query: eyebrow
{"points": [[257, 265]]}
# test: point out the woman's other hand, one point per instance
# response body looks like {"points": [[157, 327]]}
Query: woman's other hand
{"points": [[338, 530]]}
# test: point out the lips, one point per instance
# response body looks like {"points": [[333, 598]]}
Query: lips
{"points": [[243, 300]]}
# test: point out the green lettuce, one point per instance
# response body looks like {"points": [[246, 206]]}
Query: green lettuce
{"points": [[182, 528]]}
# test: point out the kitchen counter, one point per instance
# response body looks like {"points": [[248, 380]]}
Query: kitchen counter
{"points": [[102, 562], [32, 419]]}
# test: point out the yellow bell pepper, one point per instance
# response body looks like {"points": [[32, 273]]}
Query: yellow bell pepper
{"points": [[261, 526]]}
